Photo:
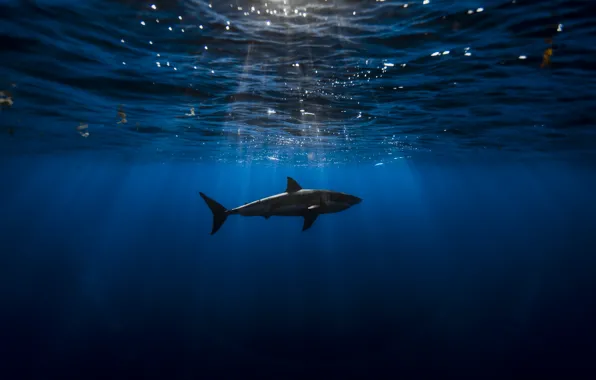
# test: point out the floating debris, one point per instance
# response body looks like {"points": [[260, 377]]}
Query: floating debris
{"points": [[122, 115], [6, 99], [192, 112], [82, 129], [547, 54], [546, 57]]}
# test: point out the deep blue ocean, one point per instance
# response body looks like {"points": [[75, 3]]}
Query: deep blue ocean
{"points": [[466, 127]]}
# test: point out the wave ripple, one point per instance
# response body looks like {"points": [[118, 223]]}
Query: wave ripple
{"points": [[304, 81]]}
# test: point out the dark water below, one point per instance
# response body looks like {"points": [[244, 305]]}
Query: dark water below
{"points": [[108, 270], [465, 126]]}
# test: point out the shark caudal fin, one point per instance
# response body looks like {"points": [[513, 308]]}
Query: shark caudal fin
{"points": [[220, 213]]}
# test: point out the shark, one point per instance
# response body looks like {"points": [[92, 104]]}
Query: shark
{"points": [[295, 201]]}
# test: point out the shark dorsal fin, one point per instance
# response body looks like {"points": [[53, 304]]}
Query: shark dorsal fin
{"points": [[293, 186]]}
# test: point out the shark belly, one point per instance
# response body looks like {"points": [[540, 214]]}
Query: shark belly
{"points": [[333, 207], [261, 207], [250, 210], [284, 204], [290, 210], [294, 204]]}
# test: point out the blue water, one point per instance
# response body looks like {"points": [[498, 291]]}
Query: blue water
{"points": [[465, 126]]}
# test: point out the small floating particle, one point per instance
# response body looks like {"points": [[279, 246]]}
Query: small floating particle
{"points": [[6, 98], [122, 115], [546, 57], [83, 130]]}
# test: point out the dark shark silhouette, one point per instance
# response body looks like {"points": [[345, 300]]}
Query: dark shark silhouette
{"points": [[295, 201]]}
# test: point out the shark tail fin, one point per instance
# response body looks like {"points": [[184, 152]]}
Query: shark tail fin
{"points": [[220, 213]]}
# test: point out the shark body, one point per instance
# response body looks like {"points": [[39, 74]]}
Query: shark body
{"points": [[295, 201]]}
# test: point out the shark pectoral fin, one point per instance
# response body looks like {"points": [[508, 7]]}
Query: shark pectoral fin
{"points": [[309, 219], [292, 186], [313, 207]]}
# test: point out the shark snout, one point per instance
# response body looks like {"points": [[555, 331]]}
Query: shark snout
{"points": [[355, 200]]}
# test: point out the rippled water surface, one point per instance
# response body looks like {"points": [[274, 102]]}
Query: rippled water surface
{"points": [[298, 81]]}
